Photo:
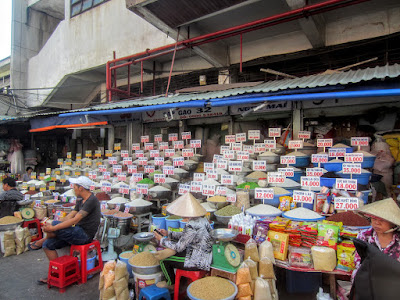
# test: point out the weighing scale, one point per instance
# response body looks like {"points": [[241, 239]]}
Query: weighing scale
{"points": [[143, 242], [225, 255], [112, 234]]}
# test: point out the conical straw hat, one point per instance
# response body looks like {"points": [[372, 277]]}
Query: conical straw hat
{"points": [[385, 209], [186, 206]]}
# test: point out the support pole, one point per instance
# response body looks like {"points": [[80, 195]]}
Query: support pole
{"points": [[141, 77], [241, 53], [172, 64]]}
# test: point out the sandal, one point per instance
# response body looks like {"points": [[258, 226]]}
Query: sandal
{"points": [[42, 281], [33, 246]]}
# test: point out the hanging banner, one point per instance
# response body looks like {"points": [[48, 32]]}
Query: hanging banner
{"points": [[273, 106], [184, 113]]}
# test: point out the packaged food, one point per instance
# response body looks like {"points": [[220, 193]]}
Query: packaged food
{"points": [[345, 256], [279, 224], [252, 267], [243, 274], [266, 268], [324, 258], [327, 235], [266, 250], [284, 203], [251, 250], [300, 257], [279, 242], [262, 290], [309, 233], [261, 230], [244, 290], [320, 200], [338, 224]]}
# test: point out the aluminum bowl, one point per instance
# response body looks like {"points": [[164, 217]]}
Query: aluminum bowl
{"points": [[138, 210], [160, 194], [224, 235], [145, 270], [222, 219]]}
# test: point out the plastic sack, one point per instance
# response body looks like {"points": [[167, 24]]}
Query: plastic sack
{"points": [[327, 235], [120, 285], [109, 266], [245, 298], [244, 290], [266, 268], [252, 267], [27, 238], [120, 270], [101, 281], [251, 250], [108, 293], [243, 274], [324, 258], [242, 199], [266, 250], [19, 240], [273, 289], [300, 257], [262, 290], [9, 243], [109, 278]]}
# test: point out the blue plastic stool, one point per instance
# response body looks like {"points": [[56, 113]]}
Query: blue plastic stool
{"points": [[154, 293]]}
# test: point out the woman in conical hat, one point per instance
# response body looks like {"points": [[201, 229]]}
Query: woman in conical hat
{"points": [[193, 246], [384, 232]]}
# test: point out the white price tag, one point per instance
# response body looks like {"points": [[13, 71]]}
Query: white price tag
{"points": [[229, 154], [195, 143], [226, 179], [106, 187], [149, 169], [102, 168], [303, 196], [159, 178], [124, 189], [208, 167], [212, 174], [178, 161], [351, 168], [103, 205], [137, 177], [288, 160], [186, 135], [319, 158], [187, 152], [259, 165], [295, 144], [240, 137], [106, 175], [220, 190], [172, 137], [231, 198], [314, 172], [135, 146], [254, 134], [235, 166], [124, 153], [288, 172], [183, 189], [121, 176], [112, 160], [217, 157], [222, 164], [309, 181], [337, 152], [139, 153], [148, 146], [229, 139], [208, 190], [178, 144], [144, 139], [169, 152], [142, 161], [354, 157], [127, 161], [263, 193], [117, 169], [196, 187], [270, 144], [304, 135], [344, 203], [93, 175], [198, 176], [360, 141], [248, 148], [158, 138], [324, 143], [154, 153], [224, 148], [158, 161], [259, 148], [237, 146], [274, 132], [142, 188], [132, 169], [163, 146], [275, 177], [242, 155], [168, 170]]}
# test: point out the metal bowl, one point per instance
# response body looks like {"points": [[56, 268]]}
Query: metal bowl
{"points": [[138, 210], [160, 194], [145, 270], [223, 219], [143, 236], [223, 234], [5, 227], [269, 159]]}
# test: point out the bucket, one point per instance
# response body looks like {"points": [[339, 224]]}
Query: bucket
{"points": [[175, 223], [90, 264], [182, 224], [159, 222], [142, 281], [124, 225], [125, 260]]}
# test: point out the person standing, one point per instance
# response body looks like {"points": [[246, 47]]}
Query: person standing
{"points": [[9, 197]]}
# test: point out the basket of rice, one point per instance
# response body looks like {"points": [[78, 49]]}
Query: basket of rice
{"points": [[225, 214], [302, 214], [144, 263], [264, 210], [217, 202], [212, 288], [9, 223]]}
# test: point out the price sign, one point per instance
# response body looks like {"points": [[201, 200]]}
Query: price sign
{"points": [[229, 154], [78, 162], [354, 157], [106, 187], [142, 161], [208, 167], [169, 152], [187, 152], [124, 153], [88, 153], [92, 175], [296, 144], [154, 153], [139, 153], [288, 172], [68, 162], [97, 153], [259, 165], [240, 137], [62, 179], [148, 146], [198, 176], [337, 152], [178, 144], [106, 175], [231, 198], [212, 174], [270, 144], [196, 187], [48, 171], [288, 160], [217, 157], [183, 189], [178, 161], [121, 176], [235, 166], [103, 205], [109, 153], [346, 203], [310, 181], [69, 154], [127, 161], [222, 164], [158, 138], [163, 145], [124, 189], [158, 161], [112, 160], [360, 141], [304, 135], [195, 143], [53, 177], [319, 158], [229, 139], [117, 169], [351, 168], [144, 139], [237, 146], [275, 177], [60, 162], [226, 179], [186, 135], [79, 156], [77, 173], [149, 169], [324, 143], [168, 170], [172, 137], [117, 146], [57, 171], [52, 186], [254, 134], [32, 187], [248, 148], [135, 146], [142, 188], [208, 190], [259, 148], [159, 178], [243, 155], [263, 193], [92, 187], [224, 148], [314, 172], [274, 132], [98, 162], [132, 169], [303, 196], [137, 177], [66, 172]]}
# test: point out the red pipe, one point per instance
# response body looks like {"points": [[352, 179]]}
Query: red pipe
{"points": [[241, 53]]}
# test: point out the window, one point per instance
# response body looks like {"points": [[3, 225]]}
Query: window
{"points": [[80, 6]]}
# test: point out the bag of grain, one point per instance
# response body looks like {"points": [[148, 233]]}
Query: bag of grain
{"points": [[262, 290], [266, 268], [252, 267], [251, 250], [244, 290], [9, 243], [243, 274], [27, 238], [266, 250], [324, 258], [19, 240], [273, 289]]}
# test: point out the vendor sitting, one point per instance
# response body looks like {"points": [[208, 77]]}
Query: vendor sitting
{"points": [[193, 245], [9, 197], [78, 228], [27, 176]]}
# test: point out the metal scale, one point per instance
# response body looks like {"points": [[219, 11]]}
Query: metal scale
{"points": [[226, 256], [112, 234], [143, 242]]}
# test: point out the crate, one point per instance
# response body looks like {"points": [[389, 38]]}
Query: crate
{"points": [[224, 274], [303, 282]]}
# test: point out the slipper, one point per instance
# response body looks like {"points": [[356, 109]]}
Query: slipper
{"points": [[42, 281], [33, 246]]}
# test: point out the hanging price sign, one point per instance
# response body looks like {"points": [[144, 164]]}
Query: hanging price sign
{"points": [[123, 189], [240, 137], [351, 168], [229, 154], [106, 175], [139, 153], [259, 165], [220, 190], [288, 160], [183, 189], [198, 176], [196, 187], [60, 162], [78, 162], [163, 145], [69, 154], [97, 153], [231, 198], [303, 196], [243, 155], [127, 161], [106, 187], [360, 141], [222, 164], [310, 181], [274, 132], [354, 157], [229, 139], [121, 176], [304, 135], [178, 144], [275, 178], [195, 144], [66, 172], [158, 161], [254, 134], [68, 162], [319, 158], [117, 146], [154, 153], [226, 179], [235, 166], [296, 144], [62, 179], [149, 169], [124, 153], [186, 135], [270, 144], [142, 161], [224, 148], [178, 161], [288, 172], [187, 152], [208, 167], [168, 170], [102, 168], [337, 152], [148, 146], [142, 188], [324, 143], [144, 139], [137, 177], [158, 138], [346, 203], [237, 146], [259, 148], [212, 174], [109, 153], [169, 152], [135, 146], [57, 172], [263, 193], [314, 172], [217, 157], [159, 178], [248, 148], [208, 190], [132, 169], [117, 169], [172, 137]]}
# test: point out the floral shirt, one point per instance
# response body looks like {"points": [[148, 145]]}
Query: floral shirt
{"points": [[370, 236]]}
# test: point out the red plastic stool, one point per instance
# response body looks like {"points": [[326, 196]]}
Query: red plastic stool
{"points": [[34, 223], [63, 271], [192, 275], [83, 250]]}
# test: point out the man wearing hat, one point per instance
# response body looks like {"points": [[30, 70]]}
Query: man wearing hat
{"points": [[193, 245], [78, 227]]}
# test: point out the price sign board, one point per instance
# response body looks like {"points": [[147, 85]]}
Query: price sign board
{"points": [[127, 161], [196, 187], [97, 153], [79, 156], [139, 153], [360, 141], [159, 178], [69, 154], [187, 152], [217, 157], [248, 148], [303, 196], [208, 190], [158, 138], [229, 154], [243, 155], [195, 144], [117, 169], [208, 167], [132, 169], [117, 146], [144, 139], [354, 157], [112, 160], [178, 144], [60, 162], [259, 165], [229, 139], [178, 161], [314, 172], [254, 134], [142, 188], [121, 176], [288, 172], [106, 187], [212, 174], [337, 152], [168, 170], [154, 153], [68, 162], [259, 148], [169, 152], [346, 203], [172, 137], [235, 166], [124, 153], [102, 168], [231, 198], [263, 193], [135, 146], [222, 164], [106, 175], [240, 137], [304, 135], [319, 158], [198, 176], [295, 144], [226, 179], [148, 146], [124, 189], [351, 168], [137, 177], [274, 132], [307, 181], [224, 148], [186, 135], [288, 160], [220, 190], [142, 161], [163, 145], [236, 146], [158, 161], [275, 177], [183, 189], [324, 143], [149, 169], [109, 153], [346, 184], [270, 144]]}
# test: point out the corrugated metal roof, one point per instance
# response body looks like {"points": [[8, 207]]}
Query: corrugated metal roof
{"points": [[5, 118]]}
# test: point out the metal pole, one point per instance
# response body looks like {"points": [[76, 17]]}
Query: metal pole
{"points": [[172, 63]]}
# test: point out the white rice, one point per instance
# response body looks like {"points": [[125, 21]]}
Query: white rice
{"points": [[159, 188], [302, 214], [210, 182], [289, 183], [340, 145], [296, 153], [268, 153], [263, 209], [170, 180], [207, 207], [179, 170], [138, 203], [365, 153], [118, 200]]}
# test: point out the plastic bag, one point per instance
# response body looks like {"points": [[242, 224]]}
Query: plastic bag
{"points": [[324, 258], [243, 274], [251, 250], [266, 269], [242, 199], [244, 290], [266, 250], [101, 281], [280, 243], [109, 266], [300, 257], [345, 256], [120, 285], [252, 267], [108, 293], [19, 240], [327, 235], [261, 230], [273, 289], [27, 238], [120, 270], [109, 278], [9, 243], [245, 298], [262, 290]]}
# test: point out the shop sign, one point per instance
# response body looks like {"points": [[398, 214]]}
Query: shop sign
{"points": [[346, 203], [184, 113], [263, 193], [259, 165], [303, 196], [269, 107]]}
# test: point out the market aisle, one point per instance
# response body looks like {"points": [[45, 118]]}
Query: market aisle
{"points": [[21, 272]]}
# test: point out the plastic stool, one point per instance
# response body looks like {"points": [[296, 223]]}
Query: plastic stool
{"points": [[36, 224], [192, 275], [63, 271], [153, 292], [83, 250]]}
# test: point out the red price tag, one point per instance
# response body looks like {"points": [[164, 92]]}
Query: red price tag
{"points": [[288, 172], [288, 160], [144, 139], [106, 175], [229, 154], [319, 158], [314, 172], [186, 135], [137, 177], [208, 190], [102, 168], [112, 160], [222, 164], [259, 165], [304, 135], [121, 176], [310, 181], [354, 157], [262, 193], [172, 137], [142, 161], [229, 139], [163, 146], [274, 132], [208, 167], [360, 141], [142, 188], [248, 148], [124, 153], [106, 187], [259, 148], [303, 196], [224, 148], [212, 174], [187, 153], [231, 198], [178, 144], [351, 168], [346, 203], [240, 137], [254, 134], [195, 143], [324, 143], [117, 169], [275, 177], [159, 178], [221, 190], [296, 144]]}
